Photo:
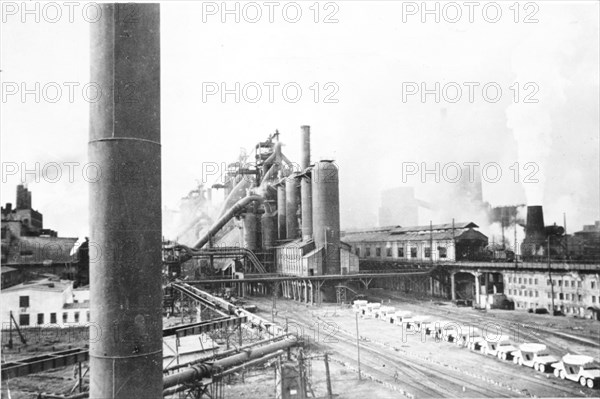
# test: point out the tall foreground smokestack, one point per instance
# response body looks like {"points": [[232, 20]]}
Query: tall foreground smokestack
{"points": [[326, 213], [305, 186], [125, 204]]}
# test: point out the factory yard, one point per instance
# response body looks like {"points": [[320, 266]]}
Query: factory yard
{"points": [[417, 366]]}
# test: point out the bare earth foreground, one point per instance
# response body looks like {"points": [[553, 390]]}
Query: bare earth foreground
{"points": [[405, 365], [394, 364]]}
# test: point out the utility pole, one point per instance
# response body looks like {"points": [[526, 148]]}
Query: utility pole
{"points": [[327, 375], [358, 346], [516, 261]]}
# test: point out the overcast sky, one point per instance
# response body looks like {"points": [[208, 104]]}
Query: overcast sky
{"points": [[368, 61]]}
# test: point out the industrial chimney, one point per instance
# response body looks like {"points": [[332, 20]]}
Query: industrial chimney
{"points": [[305, 185], [535, 232], [535, 229], [326, 214], [126, 358]]}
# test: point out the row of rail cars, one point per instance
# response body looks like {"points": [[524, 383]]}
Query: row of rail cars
{"points": [[579, 368]]}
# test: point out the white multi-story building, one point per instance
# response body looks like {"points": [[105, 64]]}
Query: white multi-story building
{"points": [[573, 293], [44, 302]]}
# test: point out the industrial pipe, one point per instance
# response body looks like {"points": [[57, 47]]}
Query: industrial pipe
{"points": [[125, 204], [205, 370], [228, 352], [227, 216], [253, 319]]}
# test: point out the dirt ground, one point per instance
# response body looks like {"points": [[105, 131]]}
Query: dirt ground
{"points": [[412, 366], [394, 363]]}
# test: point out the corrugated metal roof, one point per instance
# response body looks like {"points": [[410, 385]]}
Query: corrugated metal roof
{"points": [[418, 233], [445, 226]]}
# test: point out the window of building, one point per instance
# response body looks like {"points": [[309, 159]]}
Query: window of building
{"points": [[24, 301], [549, 296], [443, 251], [65, 317], [536, 294], [572, 283], [53, 318], [560, 283], [567, 296], [548, 282], [413, 252], [510, 279], [509, 291], [40, 318], [560, 296], [400, 252], [520, 280], [357, 251], [427, 252], [593, 283], [530, 280], [579, 298], [76, 315], [377, 251], [87, 315], [368, 251], [579, 284], [389, 251], [593, 299], [24, 319], [535, 281]]}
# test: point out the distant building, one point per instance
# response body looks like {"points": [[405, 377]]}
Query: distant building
{"points": [[27, 244], [585, 244], [444, 242], [44, 301], [572, 293]]}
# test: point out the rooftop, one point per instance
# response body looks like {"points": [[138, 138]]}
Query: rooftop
{"points": [[45, 284]]}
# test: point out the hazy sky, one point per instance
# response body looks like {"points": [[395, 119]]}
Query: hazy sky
{"points": [[368, 61]]}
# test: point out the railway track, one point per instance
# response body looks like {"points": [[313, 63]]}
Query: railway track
{"points": [[530, 376], [418, 377], [424, 376], [523, 331]]}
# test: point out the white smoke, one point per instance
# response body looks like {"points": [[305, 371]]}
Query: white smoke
{"points": [[538, 63]]}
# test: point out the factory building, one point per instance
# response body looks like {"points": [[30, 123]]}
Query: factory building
{"points": [[277, 217], [27, 244], [46, 300], [571, 293], [435, 243]]}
